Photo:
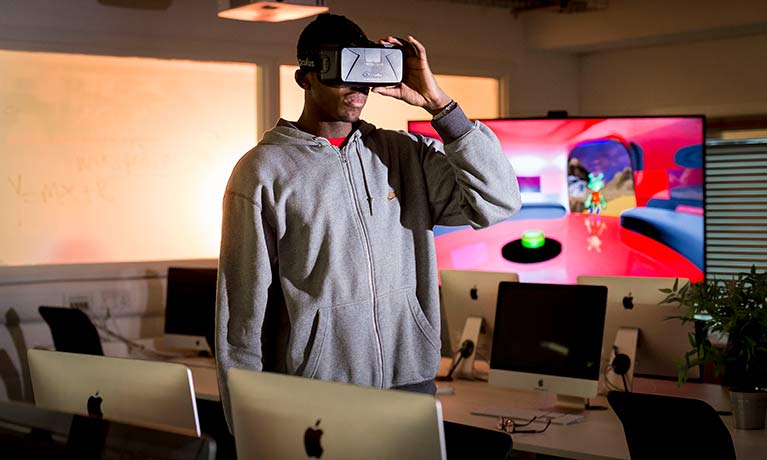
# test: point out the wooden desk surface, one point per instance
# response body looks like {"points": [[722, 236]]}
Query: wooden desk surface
{"points": [[205, 382], [599, 436]]}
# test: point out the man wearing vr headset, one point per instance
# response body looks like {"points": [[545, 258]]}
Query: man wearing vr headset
{"points": [[327, 266]]}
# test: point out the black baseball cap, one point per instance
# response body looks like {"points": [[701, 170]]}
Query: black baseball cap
{"points": [[330, 30]]}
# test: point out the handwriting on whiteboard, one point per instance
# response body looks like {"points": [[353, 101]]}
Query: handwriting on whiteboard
{"points": [[59, 192]]}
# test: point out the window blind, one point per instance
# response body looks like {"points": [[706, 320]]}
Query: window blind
{"points": [[736, 207]]}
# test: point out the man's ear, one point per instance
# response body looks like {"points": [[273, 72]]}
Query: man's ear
{"points": [[301, 78]]}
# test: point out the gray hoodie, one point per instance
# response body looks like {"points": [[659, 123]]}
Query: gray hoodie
{"points": [[327, 266]]}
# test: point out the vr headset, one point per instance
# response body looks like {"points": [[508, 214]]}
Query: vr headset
{"points": [[368, 65]]}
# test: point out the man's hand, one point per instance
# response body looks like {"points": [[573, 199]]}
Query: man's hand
{"points": [[418, 87]]}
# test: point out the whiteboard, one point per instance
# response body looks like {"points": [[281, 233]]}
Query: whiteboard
{"points": [[110, 159]]}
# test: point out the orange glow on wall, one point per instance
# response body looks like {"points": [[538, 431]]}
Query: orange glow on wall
{"points": [[106, 159]]}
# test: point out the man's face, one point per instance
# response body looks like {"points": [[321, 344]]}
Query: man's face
{"points": [[335, 103]]}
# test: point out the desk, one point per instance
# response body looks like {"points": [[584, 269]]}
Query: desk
{"points": [[599, 437], [203, 369], [205, 381]]}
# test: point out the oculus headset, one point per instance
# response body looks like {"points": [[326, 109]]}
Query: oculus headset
{"points": [[369, 65]]}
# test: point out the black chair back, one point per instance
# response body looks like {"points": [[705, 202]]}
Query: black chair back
{"points": [[465, 442], [671, 427], [72, 330]]}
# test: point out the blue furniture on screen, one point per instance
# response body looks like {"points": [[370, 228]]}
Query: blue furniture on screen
{"points": [[660, 220]]}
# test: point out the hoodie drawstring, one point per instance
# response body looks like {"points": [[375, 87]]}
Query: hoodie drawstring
{"points": [[364, 179]]}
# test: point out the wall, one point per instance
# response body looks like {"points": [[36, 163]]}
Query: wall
{"points": [[91, 175], [632, 24], [126, 298], [663, 57], [461, 39], [721, 77]]}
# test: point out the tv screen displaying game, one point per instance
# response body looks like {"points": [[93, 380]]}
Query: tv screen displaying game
{"points": [[600, 196]]}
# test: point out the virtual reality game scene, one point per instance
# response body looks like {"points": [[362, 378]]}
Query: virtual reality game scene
{"points": [[600, 196]]}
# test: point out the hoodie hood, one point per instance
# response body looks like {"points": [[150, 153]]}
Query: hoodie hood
{"points": [[286, 133]]}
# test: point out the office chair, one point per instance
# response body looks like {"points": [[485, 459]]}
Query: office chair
{"points": [[670, 427], [465, 442], [72, 330]]}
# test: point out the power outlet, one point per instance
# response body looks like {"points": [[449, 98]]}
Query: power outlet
{"points": [[81, 302], [115, 301]]}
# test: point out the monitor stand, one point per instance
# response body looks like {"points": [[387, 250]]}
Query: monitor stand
{"points": [[570, 403], [626, 340], [180, 342], [472, 329]]}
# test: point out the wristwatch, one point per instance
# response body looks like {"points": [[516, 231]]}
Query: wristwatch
{"points": [[448, 108]]}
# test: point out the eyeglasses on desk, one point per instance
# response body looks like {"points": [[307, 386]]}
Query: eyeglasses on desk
{"points": [[511, 426]]}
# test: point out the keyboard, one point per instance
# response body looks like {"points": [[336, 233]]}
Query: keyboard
{"points": [[524, 415]]}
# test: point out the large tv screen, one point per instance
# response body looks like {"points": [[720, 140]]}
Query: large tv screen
{"points": [[600, 196]]}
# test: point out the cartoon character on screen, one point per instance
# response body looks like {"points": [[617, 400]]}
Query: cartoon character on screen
{"points": [[595, 201]]}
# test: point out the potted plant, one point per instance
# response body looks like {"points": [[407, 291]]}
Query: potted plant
{"points": [[735, 311]]}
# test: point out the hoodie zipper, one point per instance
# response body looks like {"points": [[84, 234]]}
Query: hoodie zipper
{"points": [[369, 250]]}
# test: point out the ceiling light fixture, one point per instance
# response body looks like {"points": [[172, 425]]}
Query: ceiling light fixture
{"points": [[270, 11]]}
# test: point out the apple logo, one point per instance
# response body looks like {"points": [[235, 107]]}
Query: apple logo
{"points": [[473, 293], [94, 406], [628, 302], [312, 441]]}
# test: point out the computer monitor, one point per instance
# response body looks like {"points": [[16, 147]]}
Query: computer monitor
{"points": [[289, 417], [156, 394], [638, 326], [549, 337], [469, 299], [614, 196], [190, 308], [27, 431]]}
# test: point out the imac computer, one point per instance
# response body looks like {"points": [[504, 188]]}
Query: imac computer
{"points": [[158, 395], [639, 327], [190, 308], [28, 431], [469, 299], [289, 417], [549, 337]]}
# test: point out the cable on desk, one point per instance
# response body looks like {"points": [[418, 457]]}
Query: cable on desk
{"points": [[467, 348], [101, 325]]}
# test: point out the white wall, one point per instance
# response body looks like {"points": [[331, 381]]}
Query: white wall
{"points": [[720, 77], [632, 23], [655, 56], [663, 56], [461, 39], [126, 298]]}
